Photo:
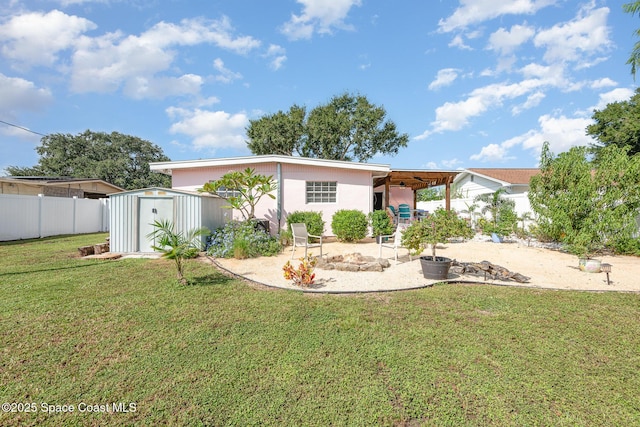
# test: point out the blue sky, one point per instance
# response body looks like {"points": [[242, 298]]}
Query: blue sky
{"points": [[474, 83]]}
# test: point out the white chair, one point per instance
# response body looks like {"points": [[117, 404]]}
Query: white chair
{"points": [[301, 239], [394, 241]]}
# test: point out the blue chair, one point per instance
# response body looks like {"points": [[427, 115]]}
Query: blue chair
{"points": [[404, 213]]}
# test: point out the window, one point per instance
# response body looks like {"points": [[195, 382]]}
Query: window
{"points": [[321, 191], [227, 192]]}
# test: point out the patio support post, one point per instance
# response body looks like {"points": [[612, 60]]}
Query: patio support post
{"points": [[415, 198], [447, 187], [386, 191]]}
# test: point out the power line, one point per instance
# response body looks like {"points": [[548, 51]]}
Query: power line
{"points": [[23, 128]]}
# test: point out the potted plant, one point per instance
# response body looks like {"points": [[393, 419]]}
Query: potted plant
{"points": [[381, 224], [436, 228], [585, 243]]}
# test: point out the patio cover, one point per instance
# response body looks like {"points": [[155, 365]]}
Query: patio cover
{"points": [[417, 180]]}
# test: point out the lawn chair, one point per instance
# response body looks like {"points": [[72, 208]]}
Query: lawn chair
{"points": [[404, 213], [301, 239], [395, 243], [392, 214]]}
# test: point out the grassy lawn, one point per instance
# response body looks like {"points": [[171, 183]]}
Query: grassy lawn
{"points": [[221, 352]]}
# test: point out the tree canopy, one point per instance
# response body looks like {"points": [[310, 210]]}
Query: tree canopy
{"points": [[587, 204], [618, 124], [122, 160], [348, 128]]}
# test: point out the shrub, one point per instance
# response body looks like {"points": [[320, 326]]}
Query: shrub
{"points": [[349, 225], [627, 246], [381, 223], [313, 220], [242, 239], [303, 275]]}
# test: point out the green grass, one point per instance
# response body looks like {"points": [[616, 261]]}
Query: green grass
{"points": [[220, 352]]}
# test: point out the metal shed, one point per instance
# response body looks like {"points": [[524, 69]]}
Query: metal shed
{"points": [[133, 212]]}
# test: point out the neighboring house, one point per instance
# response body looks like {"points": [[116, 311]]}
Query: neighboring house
{"points": [[476, 181], [306, 184], [82, 188]]}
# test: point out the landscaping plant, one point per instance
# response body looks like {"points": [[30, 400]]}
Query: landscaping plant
{"points": [[243, 190], [176, 245], [349, 225], [437, 227], [503, 220], [242, 239], [381, 223], [302, 276], [313, 221]]}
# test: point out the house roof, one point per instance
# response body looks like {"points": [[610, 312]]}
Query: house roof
{"points": [[167, 167], [161, 191], [505, 176], [51, 181]]}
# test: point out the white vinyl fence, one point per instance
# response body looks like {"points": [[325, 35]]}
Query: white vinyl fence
{"points": [[27, 217], [521, 200]]}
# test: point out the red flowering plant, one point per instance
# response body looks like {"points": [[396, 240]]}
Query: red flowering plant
{"points": [[302, 276]]}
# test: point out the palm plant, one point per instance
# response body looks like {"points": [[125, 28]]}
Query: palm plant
{"points": [[498, 206], [176, 245]]}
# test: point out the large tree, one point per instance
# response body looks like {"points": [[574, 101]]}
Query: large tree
{"points": [[618, 124], [122, 160], [348, 127], [279, 133]]}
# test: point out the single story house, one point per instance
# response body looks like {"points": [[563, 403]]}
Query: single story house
{"points": [[472, 182], [82, 188], [306, 184], [475, 181]]}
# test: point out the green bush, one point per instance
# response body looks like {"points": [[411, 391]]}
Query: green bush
{"points": [[242, 239], [627, 246], [381, 223], [313, 220], [349, 225]]}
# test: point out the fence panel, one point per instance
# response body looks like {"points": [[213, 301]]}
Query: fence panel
{"points": [[28, 217]]}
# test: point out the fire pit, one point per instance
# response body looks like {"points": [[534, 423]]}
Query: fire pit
{"points": [[353, 262]]}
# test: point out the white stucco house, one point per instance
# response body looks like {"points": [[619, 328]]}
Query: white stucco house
{"points": [[305, 184]]}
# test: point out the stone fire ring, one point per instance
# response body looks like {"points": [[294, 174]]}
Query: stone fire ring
{"points": [[353, 262]]}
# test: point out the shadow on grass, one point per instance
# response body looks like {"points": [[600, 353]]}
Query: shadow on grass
{"points": [[210, 280], [14, 273]]}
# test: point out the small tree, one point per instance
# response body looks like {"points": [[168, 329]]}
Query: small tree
{"points": [[438, 227], [175, 245], [242, 189], [381, 223]]}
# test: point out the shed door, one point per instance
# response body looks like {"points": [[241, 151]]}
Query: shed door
{"points": [[151, 209]]}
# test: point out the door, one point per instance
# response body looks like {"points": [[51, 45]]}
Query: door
{"points": [[377, 201], [151, 209]]}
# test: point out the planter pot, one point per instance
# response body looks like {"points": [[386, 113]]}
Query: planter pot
{"points": [[589, 265], [496, 238], [437, 269]]}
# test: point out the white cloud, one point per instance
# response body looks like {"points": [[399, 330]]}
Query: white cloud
{"points": [[161, 87], [477, 11], [37, 38], [277, 56], [491, 153], [616, 95], [17, 94], [320, 16], [578, 39], [561, 132], [451, 164], [458, 42], [604, 82], [210, 129], [455, 115], [226, 75], [105, 63], [533, 100], [506, 41], [445, 77]]}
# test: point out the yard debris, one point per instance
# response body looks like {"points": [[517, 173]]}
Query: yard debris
{"points": [[487, 269]]}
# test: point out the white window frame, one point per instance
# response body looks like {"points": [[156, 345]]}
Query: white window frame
{"points": [[321, 192]]}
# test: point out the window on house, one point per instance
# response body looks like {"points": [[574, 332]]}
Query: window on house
{"points": [[227, 192], [321, 191]]}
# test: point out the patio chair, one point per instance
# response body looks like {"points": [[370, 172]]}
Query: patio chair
{"points": [[404, 213], [301, 239], [392, 213], [395, 243]]}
